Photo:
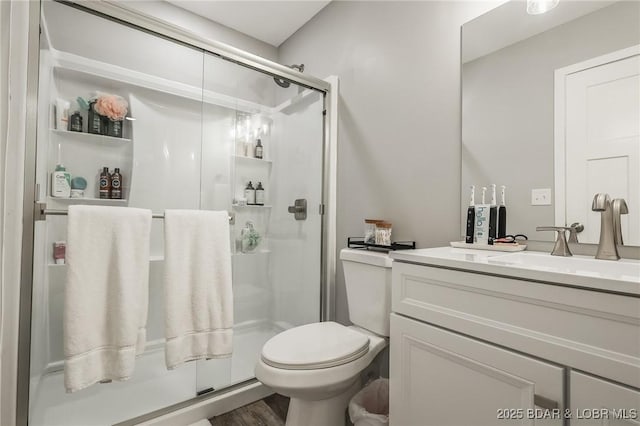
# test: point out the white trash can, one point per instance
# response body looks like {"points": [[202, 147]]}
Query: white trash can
{"points": [[370, 406]]}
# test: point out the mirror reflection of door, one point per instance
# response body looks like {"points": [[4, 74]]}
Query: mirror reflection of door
{"points": [[601, 100]]}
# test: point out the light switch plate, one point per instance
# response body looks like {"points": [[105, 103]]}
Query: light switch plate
{"points": [[541, 197]]}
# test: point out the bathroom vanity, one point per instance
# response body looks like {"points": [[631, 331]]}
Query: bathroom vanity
{"points": [[486, 338]]}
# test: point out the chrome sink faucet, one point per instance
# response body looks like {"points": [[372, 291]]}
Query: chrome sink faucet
{"points": [[610, 226]]}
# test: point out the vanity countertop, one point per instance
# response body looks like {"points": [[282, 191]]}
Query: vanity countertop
{"points": [[622, 276]]}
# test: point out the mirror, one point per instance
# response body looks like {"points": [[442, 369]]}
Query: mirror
{"points": [[533, 93]]}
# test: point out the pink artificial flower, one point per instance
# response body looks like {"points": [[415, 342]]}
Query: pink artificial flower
{"points": [[112, 106]]}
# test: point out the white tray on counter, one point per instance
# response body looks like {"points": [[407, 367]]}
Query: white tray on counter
{"points": [[494, 247]]}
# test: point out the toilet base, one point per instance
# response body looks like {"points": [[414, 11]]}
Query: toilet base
{"points": [[325, 412]]}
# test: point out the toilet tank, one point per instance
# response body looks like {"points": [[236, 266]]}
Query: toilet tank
{"points": [[367, 276]]}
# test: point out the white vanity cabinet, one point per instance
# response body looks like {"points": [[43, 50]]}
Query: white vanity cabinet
{"points": [[443, 378], [478, 346], [599, 402]]}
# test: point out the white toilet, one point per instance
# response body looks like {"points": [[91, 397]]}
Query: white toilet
{"points": [[318, 365]]}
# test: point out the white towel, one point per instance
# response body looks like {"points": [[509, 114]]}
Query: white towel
{"points": [[106, 295], [198, 295]]}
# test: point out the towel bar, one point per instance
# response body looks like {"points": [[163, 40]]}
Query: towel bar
{"points": [[41, 212]]}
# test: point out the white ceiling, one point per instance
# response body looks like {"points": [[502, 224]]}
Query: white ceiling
{"points": [[270, 21]]}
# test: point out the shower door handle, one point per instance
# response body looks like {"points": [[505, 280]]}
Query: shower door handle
{"points": [[299, 209]]}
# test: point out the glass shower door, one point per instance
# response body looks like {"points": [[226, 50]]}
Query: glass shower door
{"points": [[190, 141], [276, 256]]}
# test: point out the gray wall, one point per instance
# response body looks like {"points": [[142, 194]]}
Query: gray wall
{"points": [[399, 126], [508, 109]]}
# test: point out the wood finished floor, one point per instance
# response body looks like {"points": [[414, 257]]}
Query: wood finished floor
{"points": [[270, 411]]}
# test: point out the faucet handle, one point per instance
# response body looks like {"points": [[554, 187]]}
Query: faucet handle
{"points": [[619, 207], [574, 230], [561, 248]]}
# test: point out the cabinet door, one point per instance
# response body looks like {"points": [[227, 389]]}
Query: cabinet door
{"points": [[442, 378], [599, 402]]}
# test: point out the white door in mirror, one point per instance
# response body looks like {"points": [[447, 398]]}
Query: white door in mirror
{"points": [[603, 143]]}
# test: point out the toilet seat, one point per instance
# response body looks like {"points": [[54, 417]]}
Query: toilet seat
{"points": [[314, 346]]}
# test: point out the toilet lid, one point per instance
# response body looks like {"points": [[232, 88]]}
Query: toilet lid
{"points": [[314, 346]]}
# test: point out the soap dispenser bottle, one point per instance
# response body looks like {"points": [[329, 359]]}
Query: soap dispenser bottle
{"points": [[471, 216], [502, 215]]}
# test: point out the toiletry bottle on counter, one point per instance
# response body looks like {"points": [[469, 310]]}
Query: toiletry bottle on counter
{"points": [[502, 215], [259, 149], [250, 194], [75, 122], [482, 220], [105, 184], [471, 216], [259, 193], [493, 215], [60, 182], [116, 184]]}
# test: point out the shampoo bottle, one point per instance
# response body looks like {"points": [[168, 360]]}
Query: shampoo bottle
{"points": [[471, 216], [250, 194], [493, 215], [259, 194], [481, 228], [116, 184], [259, 149], [105, 184], [502, 215]]}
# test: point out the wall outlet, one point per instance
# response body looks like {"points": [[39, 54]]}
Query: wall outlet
{"points": [[541, 197]]}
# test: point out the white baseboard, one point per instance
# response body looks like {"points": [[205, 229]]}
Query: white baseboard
{"points": [[214, 406]]}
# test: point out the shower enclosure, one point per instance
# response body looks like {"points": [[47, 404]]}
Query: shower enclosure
{"points": [[188, 142]]}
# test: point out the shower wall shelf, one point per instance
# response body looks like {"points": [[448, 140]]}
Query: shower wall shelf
{"points": [[252, 160], [90, 137], [74, 65], [88, 200]]}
